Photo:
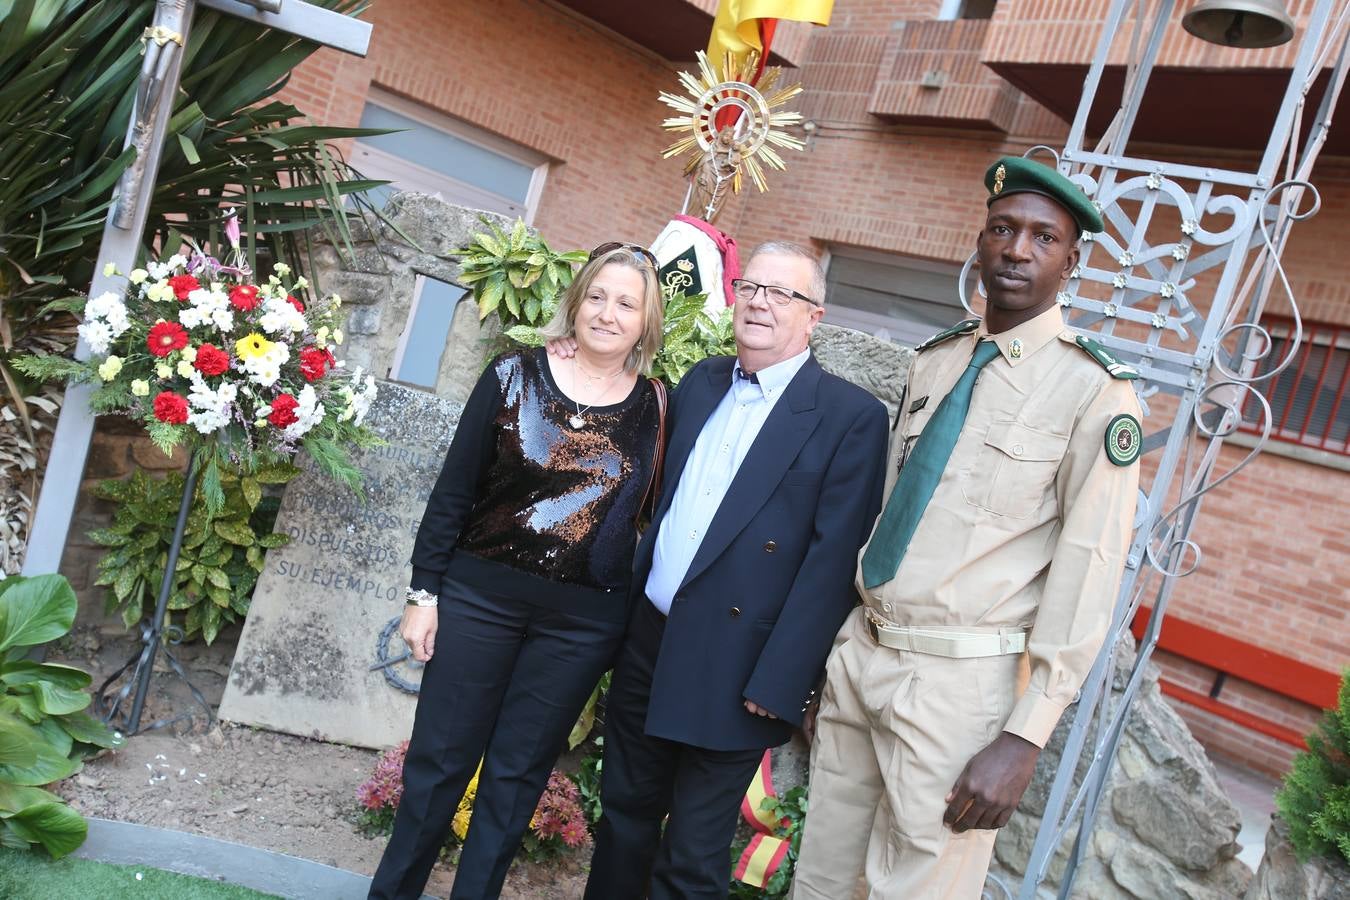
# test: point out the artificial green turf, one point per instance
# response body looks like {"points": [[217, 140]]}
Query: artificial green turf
{"points": [[33, 875]]}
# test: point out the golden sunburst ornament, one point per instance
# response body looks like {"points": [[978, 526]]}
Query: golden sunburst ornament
{"points": [[748, 141]]}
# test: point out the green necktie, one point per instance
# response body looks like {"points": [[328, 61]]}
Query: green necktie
{"points": [[921, 474]]}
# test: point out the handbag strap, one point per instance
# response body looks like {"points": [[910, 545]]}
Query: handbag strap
{"points": [[653, 493]]}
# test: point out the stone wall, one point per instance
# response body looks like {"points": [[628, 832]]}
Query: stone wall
{"points": [[1282, 877], [1165, 826]]}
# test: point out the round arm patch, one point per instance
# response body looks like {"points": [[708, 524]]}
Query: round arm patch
{"points": [[1124, 439]]}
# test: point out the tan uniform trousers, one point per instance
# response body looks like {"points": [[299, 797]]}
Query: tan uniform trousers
{"points": [[894, 732]]}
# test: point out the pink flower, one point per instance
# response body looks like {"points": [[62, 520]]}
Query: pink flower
{"points": [[232, 230]]}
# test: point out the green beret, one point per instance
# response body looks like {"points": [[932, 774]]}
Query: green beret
{"points": [[1018, 175]]}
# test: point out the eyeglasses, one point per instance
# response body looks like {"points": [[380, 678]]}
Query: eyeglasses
{"points": [[779, 296], [611, 246]]}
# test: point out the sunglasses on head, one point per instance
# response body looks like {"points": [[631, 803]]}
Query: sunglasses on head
{"points": [[610, 246]]}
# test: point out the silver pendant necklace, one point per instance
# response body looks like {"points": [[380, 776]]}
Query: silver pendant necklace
{"points": [[577, 421]]}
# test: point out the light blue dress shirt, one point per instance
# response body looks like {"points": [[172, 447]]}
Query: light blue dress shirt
{"points": [[717, 456]]}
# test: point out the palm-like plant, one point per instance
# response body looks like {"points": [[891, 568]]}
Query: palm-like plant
{"points": [[68, 75]]}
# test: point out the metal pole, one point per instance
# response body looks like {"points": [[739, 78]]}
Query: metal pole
{"points": [[162, 68], [155, 632]]}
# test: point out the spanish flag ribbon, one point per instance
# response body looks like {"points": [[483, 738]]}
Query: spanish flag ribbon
{"points": [[762, 857], [765, 853], [744, 25]]}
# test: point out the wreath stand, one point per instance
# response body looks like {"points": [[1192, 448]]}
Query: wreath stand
{"points": [[153, 633]]}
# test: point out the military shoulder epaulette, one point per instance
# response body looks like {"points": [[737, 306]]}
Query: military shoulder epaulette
{"points": [[965, 327], [1104, 358]]}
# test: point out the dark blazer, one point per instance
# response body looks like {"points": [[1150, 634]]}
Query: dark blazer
{"points": [[772, 581]]}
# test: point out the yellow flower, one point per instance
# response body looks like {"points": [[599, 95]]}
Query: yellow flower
{"points": [[111, 366], [190, 353], [337, 335], [260, 423], [163, 370], [185, 368], [140, 387], [138, 275], [160, 292], [110, 270], [301, 283], [321, 336], [460, 823], [251, 346], [282, 269]]}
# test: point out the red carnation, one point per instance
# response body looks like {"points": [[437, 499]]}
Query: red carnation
{"points": [[299, 307], [166, 337], [244, 297], [314, 363], [211, 360], [183, 285], [171, 408], [283, 411]]}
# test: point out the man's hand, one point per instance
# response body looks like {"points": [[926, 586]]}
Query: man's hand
{"points": [[988, 791], [418, 630], [756, 710], [563, 348]]}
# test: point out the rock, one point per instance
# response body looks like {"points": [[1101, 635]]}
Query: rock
{"points": [[1282, 877], [879, 366], [86, 781], [1164, 829]]}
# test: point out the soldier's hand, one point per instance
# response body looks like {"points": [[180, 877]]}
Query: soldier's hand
{"points": [[809, 722], [563, 348], [418, 630], [988, 791]]}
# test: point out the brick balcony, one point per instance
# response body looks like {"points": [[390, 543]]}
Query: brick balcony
{"points": [[676, 29], [931, 73]]}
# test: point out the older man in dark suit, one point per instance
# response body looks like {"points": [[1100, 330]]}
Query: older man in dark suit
{"points": [[773, 479]]}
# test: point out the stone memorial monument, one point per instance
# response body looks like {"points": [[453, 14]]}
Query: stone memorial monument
{"points": [[324, 611]]}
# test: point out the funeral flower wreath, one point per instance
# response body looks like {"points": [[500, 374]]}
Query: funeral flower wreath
{"points": [[244, 374]]}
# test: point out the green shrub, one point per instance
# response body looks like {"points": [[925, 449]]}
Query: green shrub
{"points": [[1315, 799], [44, 732], [222, 555]]}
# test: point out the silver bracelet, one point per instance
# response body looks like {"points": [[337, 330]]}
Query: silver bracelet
{"points": [[420, 597]]}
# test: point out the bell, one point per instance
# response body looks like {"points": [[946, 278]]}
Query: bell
{"points": [[1240, 23]]}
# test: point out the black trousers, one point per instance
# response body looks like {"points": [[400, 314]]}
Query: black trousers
{"points": [[644, 779], [505, 685]]}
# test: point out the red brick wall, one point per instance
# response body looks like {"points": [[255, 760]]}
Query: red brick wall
{"points": [[1277, 568]]}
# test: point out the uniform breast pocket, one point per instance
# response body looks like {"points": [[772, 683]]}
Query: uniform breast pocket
{"points": [[1014, 470]]}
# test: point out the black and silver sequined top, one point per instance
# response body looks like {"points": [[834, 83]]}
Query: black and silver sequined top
{"points": [[524, 497]]}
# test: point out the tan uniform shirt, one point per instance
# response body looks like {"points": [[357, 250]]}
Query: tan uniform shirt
{"points": [[1031, 521]]}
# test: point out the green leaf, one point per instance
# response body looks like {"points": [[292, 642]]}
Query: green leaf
{"points": [[85, 729], [14, 798], [18, 742], [234, 532], [23, 671], [34, 610], [252, 492], [49, 765], [55, 700], [55, 826], [274, 540], [189, 149]]}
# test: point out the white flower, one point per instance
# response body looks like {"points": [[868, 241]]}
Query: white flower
{"points": [[110, 367], [209, 410], [309, 412], [158, 270], [282, 269], [140, 387], [359, 399], [177, 261], [279, 316], [301, 283], [137, 276], [205, 306], [109, 308], [264, 370], [97, 334]]}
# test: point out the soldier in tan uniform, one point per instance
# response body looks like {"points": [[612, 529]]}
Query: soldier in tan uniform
{"points": [[989, 579]]}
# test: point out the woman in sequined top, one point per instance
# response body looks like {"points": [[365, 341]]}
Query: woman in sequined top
{"points": [[521, 572]]}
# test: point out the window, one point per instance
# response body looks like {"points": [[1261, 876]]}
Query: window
{"points": [[417, 360], [1308, 402], [895, 298], [438, 155], [966, 9]]}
